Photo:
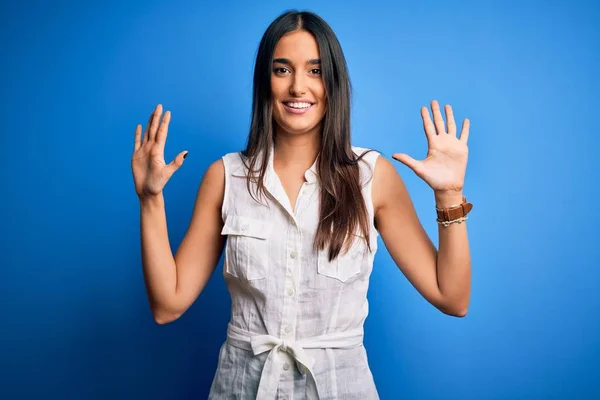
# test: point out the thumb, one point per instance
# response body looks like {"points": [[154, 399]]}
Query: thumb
{"points": [[406, 160], [176, 163]]}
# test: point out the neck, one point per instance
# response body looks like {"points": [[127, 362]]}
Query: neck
{"points": [[296, 151]]}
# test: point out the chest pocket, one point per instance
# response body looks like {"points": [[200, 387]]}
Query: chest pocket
{"points": [[346, 265], [247, 250]]}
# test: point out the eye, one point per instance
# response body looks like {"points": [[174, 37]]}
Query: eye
{"points": [[316, 71], [280, 70]]}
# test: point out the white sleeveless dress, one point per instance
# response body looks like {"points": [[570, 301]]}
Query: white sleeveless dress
{"points": [[296, 326]]}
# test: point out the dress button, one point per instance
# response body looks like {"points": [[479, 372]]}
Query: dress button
{"points": [[287, 329], [286, 366], [291, 292], [293, 254]]}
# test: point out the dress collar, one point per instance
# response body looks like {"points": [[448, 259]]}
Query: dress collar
{"points": [[242, 171]]}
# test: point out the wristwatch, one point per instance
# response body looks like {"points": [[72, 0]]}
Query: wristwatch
{"points": [[455, 212]]}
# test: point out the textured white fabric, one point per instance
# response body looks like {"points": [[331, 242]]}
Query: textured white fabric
{"points": [[296, 325]]}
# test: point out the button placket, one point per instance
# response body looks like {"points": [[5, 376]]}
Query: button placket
{"points": [[289, 311]]}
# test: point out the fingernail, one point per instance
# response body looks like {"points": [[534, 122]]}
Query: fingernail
{"points": [[185, 155]]}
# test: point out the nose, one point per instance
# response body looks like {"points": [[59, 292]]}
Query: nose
{"points": [[298, 85]]}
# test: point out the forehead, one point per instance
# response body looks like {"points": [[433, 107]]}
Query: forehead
{"points": [[297, 46]]}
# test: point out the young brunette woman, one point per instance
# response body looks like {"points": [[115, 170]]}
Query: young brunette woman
{"points": [[298, 213]]}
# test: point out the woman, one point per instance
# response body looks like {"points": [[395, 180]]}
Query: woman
{"points": [[301, 209]]}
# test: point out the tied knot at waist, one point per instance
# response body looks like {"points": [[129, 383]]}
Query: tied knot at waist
{"points": [[260, 343], [283, 346]]}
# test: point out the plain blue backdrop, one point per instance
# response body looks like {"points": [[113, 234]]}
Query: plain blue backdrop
{"points": [[78, 76]]}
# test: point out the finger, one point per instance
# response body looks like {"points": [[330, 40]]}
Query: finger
{"points": [[464, 134], [147, 131], [450, 124], [155, 121], [437, 117], [427, 124], [176, 163], [406, 160], [137, 141], [161, 135]]}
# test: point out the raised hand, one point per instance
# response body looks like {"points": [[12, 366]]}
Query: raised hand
{"points": [[445, 165], [150, 172]]}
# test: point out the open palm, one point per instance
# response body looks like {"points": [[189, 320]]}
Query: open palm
{"points": [[445, 165], [150, 172]]}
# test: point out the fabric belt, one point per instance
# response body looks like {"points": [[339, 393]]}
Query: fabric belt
{"points": [[269, 379]]}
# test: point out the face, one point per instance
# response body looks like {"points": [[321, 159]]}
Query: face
{"points": [[297, 90]]}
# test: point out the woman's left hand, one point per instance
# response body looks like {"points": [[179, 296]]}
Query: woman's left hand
{"points": [[445, 165]]}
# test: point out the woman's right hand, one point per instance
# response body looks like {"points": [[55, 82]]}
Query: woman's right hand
{"points": [[150, 172]]}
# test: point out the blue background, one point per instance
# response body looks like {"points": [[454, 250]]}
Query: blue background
{"points": [[78, 77]]}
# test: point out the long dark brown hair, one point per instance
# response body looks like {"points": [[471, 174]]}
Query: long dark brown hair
{"points": [[342, 206]]}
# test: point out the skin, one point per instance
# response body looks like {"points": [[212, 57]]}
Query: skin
{"points": [[296, 75], [174, 283], [442, 276]]}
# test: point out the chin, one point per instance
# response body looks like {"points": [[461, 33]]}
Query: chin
{"points": [[297, 126], [298, 129]]}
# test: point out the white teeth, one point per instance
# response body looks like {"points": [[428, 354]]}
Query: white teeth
{"points": [[298, 105]]}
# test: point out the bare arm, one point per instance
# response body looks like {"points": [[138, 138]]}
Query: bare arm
{"points": [[174, 283], [454, 258], [441, 278]]}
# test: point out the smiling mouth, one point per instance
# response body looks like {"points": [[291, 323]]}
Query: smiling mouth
{"points": [[298, 105]]}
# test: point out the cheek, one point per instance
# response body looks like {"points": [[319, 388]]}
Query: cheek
{"points": [[276, 89], [323, 103], [275, 104], [322, 97], [322, 107]]}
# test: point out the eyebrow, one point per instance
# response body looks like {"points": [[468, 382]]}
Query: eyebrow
{"points": [[314, 61]]}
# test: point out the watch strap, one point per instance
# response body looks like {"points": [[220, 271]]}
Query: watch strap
{"points": [[455, 212]]}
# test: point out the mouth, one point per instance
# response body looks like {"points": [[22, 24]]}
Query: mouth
{"points": [[297, 107]]}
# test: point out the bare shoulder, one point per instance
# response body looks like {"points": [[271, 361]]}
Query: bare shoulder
{"points": [[209, 199], [212, 186], [387, 184], [215, 173]]}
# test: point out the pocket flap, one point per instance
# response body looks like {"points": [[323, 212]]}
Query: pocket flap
{"points": [[246, 226]]}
